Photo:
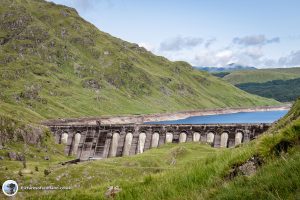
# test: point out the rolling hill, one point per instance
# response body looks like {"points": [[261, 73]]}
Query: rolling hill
{"points": [[281, 84], [54, 64], [281, 90], [262, 75]]}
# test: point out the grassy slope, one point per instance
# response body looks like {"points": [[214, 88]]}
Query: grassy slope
{"points": [[199, 171], [262, 75], [54, 64], [281, 90]]}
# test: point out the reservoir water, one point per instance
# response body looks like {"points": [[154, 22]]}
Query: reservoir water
{"points": [[241, 117]]}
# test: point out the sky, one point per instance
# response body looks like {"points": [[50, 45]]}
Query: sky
{"points": [[260, 33]]}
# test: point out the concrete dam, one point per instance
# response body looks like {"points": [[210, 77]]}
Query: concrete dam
{"points": [[110, 140]]}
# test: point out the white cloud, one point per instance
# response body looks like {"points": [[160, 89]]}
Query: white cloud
{"points": [[179, 43], [225, 54], [209, 42], [213, 58], [246, 50], [254, 40], [198, 51], [147, 46], [293, 59]]}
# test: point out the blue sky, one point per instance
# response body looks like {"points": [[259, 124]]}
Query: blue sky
{"points": [[261, 33]]}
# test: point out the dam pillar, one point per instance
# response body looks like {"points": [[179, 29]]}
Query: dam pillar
{"points": [[238, 138], [196, 137], [127, 144], [114, 145], [169, 137], [224, 139], [210, 137], [155, 140], [141, 142], [182, 137], [64, 138], [76, 143]]}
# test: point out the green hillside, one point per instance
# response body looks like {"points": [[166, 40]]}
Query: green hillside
{"points": [[174, 171], [281, 84], [55, 64], [262, 75], [281, 90]]}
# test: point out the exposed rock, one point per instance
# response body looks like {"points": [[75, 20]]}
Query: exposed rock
{"points": [[31, 92], [20, 157], [166, 91], [25, 171], [173, 161], [246, 169], [60, 176], [47, 172], [12, 155], [91, 83], [84, 41], [112, 191], [1, 158], [63, 32], [64, 13], [47, 158]]}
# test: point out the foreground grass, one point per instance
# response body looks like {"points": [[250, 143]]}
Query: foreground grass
{"points": [[95, 176], [173, 171], [277, 180], [200, 172]]}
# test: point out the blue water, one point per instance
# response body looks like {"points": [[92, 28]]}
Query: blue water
{"points": [[241, 117]]}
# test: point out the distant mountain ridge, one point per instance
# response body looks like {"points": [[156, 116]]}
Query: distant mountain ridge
{"points": [[228, 68]]}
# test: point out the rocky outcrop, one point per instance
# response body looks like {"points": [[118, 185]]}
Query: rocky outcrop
{"points": [[248, 168], [14, 131]]}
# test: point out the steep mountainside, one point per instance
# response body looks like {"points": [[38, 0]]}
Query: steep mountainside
{"points": [[55, 64]]}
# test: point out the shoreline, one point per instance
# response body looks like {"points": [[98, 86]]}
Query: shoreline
{"points": [[140, 119]]}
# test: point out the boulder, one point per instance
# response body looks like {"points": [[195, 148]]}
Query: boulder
{"points": [[112, 191], [12, 155], [25, 171], [20, 157]]}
